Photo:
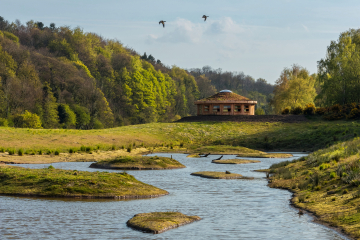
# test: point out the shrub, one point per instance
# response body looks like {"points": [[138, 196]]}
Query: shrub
{"points": [[113, 147], [48, 152], [285, 111], [20, 152], [297, 111], [4, 122], [309, 109], [11, 36], [333, 175], [51, 167], [345, 191], [122, 147], [129, 149], [2, 150], [57, 152], [320, 111], [324, 166], [40, 152], [181, 144], [83, 148], [11, 151], [259, 111], [317, 188], [354, 114], [335, 108], [71, 150], [27, 120], [89, 149]]}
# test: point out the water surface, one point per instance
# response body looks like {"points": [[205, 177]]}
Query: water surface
{"points": [[231, 209]]}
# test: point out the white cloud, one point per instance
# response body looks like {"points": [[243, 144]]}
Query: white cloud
{"points": [[305, 27]]}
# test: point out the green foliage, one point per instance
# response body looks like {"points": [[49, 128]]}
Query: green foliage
{"points": [[259, 111], [82, 116], [3, 122], [333, 175], [20, 152], [286, 111], [294, 88], [66, 116], [57, 152], [27, 120], [339, 70], [11, 36]]}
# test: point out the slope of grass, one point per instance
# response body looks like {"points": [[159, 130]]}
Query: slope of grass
{"points": [[326, 183], [52, 182], [158, 222], [138, 163], [309, 136]]}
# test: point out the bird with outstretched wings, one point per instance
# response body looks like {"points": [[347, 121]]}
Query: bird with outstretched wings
{"points": [[163, 22], [205, 17]]}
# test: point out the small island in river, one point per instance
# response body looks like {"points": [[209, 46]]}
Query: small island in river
{"points": [[234, 161], [220, 175], [138, 163], [158, 222], [51, 182]]}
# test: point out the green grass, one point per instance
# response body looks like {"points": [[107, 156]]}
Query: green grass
{"points": [[158, 222], [52, 182], [138, 162], [219, 175], [309, 136], [327, 182], [235, 161]]}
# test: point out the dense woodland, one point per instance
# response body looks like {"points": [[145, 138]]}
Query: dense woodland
{"points": [[58, 77]]}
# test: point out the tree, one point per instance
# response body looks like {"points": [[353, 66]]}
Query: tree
{"points": [[151, 58], [40, 25], [294, 88], [66, 116], [144, 57], [339, 71], [52, 26], [27, 120], [50, 118]]}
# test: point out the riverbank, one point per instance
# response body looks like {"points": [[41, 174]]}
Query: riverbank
{"points": [[138, 163], [326, 183], [51, 182], [234, 161], [159, 222]]}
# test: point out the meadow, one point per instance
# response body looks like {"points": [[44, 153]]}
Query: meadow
{"points": [[305, 136]]}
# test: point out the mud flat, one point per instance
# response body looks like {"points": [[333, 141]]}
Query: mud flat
{"points": [[51, 182], [158, 222], [138, 163], [220, 175]]}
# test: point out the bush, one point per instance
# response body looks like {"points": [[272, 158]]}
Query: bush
{"points": [[309, 109], [129, 149], [354, 114], [324, 166], [83, 148], [4, 122], [11, 151], [51, 167], [82, 116], [2, 150], [333, 175], [285, 111], [57, 152], [320, 111], [297, 111], [27, 120], [20, 152], [72, 150], [11, 36], [336, 108], [113, 147], [40, 152], [259, 111]]}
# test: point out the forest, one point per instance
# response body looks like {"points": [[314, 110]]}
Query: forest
{"points": [[58, 77]]}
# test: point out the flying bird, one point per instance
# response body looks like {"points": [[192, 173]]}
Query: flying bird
{"points": [[205, 17], [163, 22]]}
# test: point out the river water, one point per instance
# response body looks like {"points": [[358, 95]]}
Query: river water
{"points": [[230, 209]]}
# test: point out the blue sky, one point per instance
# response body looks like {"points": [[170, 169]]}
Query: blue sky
{"points": [[258, 37]]}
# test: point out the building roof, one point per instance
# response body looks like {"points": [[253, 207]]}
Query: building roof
{"points": [[225, 95]]}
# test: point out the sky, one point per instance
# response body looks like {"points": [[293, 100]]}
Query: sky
{"points": [[257, 37]]}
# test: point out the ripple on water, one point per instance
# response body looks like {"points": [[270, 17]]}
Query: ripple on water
{"points": [[231, 209]]}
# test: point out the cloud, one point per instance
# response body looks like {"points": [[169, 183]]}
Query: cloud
{"points": [[305, 27], [185, 31]]}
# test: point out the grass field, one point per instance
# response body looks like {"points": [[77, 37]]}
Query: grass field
{"points": [[305, 136]]}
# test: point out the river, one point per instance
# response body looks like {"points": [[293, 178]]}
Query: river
{"points": [[230, 209]]}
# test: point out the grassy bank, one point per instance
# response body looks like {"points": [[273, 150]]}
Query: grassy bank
{"points": [[52, 182], [219, 175], [327, 184], [138, 163], [158, 222], [234, 161], [309, 136]]}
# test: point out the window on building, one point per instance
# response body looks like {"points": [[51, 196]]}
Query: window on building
{"points": [[227, 109], [246, 108], [216, 108], [237, 108], [206, 108]]}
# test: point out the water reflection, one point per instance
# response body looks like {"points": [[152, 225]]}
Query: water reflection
{"points": [[231, 209]]}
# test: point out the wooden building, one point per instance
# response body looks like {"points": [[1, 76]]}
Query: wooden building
{"points": [[226, 103]]}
